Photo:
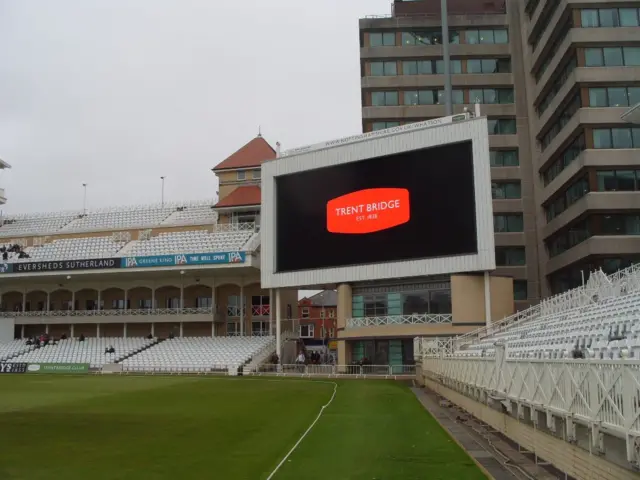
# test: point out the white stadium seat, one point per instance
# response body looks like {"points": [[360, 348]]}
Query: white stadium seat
{"points": [[10, 350], [40, 224], [197, 354], [90, 351], [196, 241], [73, 249]]}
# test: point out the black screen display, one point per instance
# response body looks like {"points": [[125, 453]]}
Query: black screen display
{"points": [[412, 205]]}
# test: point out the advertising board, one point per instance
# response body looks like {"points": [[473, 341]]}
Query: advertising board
{"points": [[63, 265], [9, 367], [58, 368], [183, 259], [415, 203]]}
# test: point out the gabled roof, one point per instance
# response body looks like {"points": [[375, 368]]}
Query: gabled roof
{"points": [[251, 155], [241, 196], [325, 298]]}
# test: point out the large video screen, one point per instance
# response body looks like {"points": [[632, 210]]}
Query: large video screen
{"points": [[412, 205]]}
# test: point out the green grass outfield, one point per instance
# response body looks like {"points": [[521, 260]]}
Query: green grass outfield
{"points": [[113, 428]]}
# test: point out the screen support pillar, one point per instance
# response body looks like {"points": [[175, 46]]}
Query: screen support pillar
{"points": [[487, 298], [278, 319]]}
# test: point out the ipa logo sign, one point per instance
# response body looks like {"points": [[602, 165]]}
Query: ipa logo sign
{"points": [[368, 211]]}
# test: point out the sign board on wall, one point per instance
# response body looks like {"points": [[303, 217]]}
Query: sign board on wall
{"points": [[64, 265], [13, 367], [183, 259], [58, 368]]}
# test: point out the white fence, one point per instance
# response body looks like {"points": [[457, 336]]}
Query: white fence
{"points": [[109, 312], [398, 320], [601, 394], [353, 371]]}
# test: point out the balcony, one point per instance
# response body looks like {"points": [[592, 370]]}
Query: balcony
{"points": [[156, 315], [421, 319]]}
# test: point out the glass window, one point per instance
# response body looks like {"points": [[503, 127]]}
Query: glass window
{"points": [[241, 175], [626, 180], [256, 174], [426, 97], [618, 97], [457, 97], [621, 138], [504, 158], [635, 136], [606, 180], [589, 18], [602, 138], [377, 69], [613, 56], [489, 65], [410, 68], [632, 56], [520, 290], [593, 57], [505, 95], [476, 95], [504, 65], [505, 190], [629, 17], [379, 39], [633, 95], [411, 97], [510, 256], [501, 36], [381, 99], [472, 36], [597, 97], [456, 66], [440, 302], [609, 17], [474, 66], [415, 303], [382, 125], [486, 36], [375, 39]]}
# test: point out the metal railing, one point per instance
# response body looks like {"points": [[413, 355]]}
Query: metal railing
{"points": [[110, 312], [421, 319], [354, 371], [235, 227]]}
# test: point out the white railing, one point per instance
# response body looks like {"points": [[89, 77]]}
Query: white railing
{"points": [[398, 320], [604, 393], [234, 227], [355, 371], [110, 313]]}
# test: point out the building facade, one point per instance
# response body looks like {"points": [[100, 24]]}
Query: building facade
{"points": [[553, 78], [318, 315]]}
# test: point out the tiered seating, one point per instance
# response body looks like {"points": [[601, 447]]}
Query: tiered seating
{"points": [[90, 351], [11, 349], [197, 241], [121, 218], [609, 329], [10, 255], [193, 215], [75, 249], [40, 224], [197, 354]]}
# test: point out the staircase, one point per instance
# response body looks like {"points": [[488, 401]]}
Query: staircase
{"points": [[260, 358], [146, 347]]}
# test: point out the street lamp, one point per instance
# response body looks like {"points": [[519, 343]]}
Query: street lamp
{"points": [[162, 191], [84, 199]]}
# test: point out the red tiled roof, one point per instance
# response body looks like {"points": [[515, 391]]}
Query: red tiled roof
{"points": [[251, 155], [241, 196]]}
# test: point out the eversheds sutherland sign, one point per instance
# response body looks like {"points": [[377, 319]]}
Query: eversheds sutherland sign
{"points": [[65, 265]]}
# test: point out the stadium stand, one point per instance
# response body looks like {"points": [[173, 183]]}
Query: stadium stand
{"points": [[573, 358], [91, 351], [38, 224], [174, 214], [74, 248], [189, 241], [12, 349], [198, 354]]}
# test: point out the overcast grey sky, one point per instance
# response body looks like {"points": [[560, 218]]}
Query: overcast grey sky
{"points": [[116, 93]]}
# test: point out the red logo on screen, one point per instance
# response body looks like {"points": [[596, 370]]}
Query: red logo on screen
{"points": [[368, 211]]}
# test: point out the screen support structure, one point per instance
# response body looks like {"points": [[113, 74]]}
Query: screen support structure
{"points": [[278, 326], [487, 298]]}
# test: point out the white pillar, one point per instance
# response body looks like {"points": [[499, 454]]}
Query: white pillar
{"points": [[72, 329], [153, 298], [153, 329], [24, 300], [99, 299], [213, 309], [48, 302], [46, 329], [271, 311], [181, 329], [278, 319], [73, 300], [181, 296], [487, 298], [125, 330], [126, 299], [97, 330], [241, 310], [22, 331]]}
